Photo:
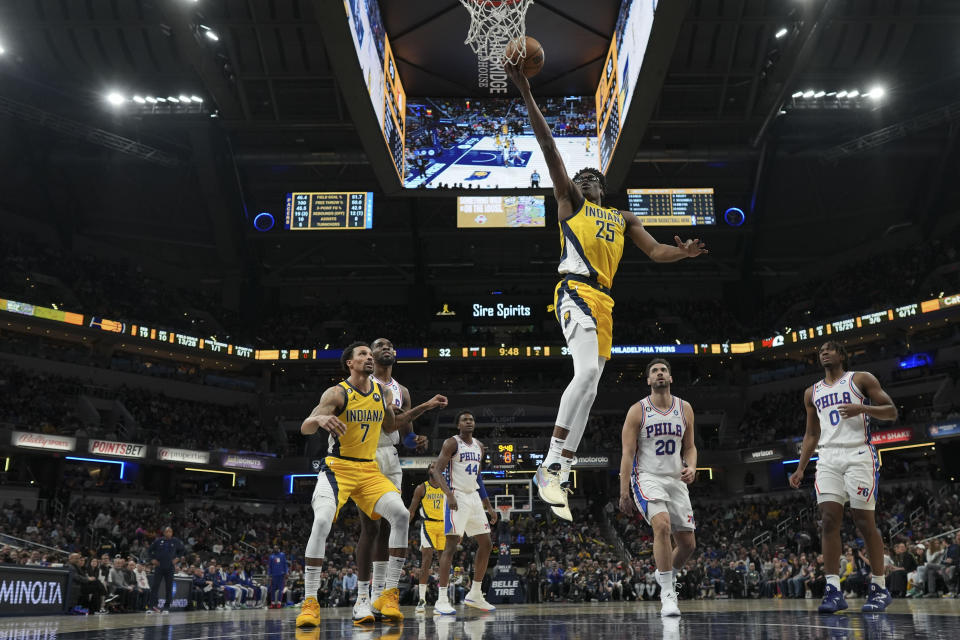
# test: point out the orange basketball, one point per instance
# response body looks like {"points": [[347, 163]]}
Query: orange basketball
{"points": [[532, 62]]}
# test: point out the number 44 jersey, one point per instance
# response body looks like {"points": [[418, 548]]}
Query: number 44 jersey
{"points": [[659, 440]]}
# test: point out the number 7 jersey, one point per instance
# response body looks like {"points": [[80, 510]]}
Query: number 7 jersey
{"points": [[660, 438], [363, 414]]}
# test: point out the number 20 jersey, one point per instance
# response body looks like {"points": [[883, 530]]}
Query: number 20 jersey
{"points": [[660, 438], [835, 430]]}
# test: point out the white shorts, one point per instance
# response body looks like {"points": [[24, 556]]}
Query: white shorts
{"points": [[389, 462], [655, 494], [848, 474], [468, 518]]}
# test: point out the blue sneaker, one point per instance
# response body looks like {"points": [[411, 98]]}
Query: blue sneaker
{"points": [[833, 600], [878, 599]]}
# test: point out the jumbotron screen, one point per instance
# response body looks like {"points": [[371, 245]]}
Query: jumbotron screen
{"points": [[478, 212]]}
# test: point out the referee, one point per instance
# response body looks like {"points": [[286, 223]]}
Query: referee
{"points": [[164, 552]]}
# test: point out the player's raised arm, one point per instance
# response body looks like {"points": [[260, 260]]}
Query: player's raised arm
{"points": [[407, 414], [418, 494], [811, 438], [324, 415], [688, 446], [631, 430], [443, 461], [566, 193], [657, 251], [881, 405]]}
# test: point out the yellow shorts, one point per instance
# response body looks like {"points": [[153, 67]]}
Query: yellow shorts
{"points": [[577, 303], [432, 536], [361, 482]]}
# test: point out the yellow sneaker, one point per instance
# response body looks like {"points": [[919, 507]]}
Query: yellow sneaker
{"points": [[389, 605], [309, 613], [307, 634]]}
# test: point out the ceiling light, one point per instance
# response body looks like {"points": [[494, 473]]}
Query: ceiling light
{"points": [[782, 32], [151, 99], [877, 92], [139, 100], [831, 94], [184, 98], [819, 94], [808, 93], [196, 99], [115, 98], [209, 33], [841, 94], [853, 94], [172, 99], [797, 94], [161, 99], [2, 50]]}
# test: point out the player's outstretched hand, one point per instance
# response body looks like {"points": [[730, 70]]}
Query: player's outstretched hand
{"points": [[796, 478], [422, 442], [515, 73], [688, 475], [437, 402], [626, 504], [331, 424], [693, 248]]}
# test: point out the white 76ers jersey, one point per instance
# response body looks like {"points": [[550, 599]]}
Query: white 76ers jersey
{"points": [[465, 465], [393, 438], [660, 438], [835, 430]]}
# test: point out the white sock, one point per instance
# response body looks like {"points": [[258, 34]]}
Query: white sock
{"points": [[565, 464], [475, 589], [834, 580], [442, 593], [553, 455], [423, 591], [311, 581], [665, 580], [379, 578], [880, 581], [363, 590], [394, 569]]}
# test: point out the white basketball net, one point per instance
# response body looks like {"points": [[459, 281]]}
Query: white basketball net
{"points": [[493, 25]]}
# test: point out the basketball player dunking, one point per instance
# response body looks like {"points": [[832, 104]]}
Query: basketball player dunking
{"points": [[464, 514], [591, 244], [429, 502], [354, 413], [375, 535], [847, 469], [659, 460]]}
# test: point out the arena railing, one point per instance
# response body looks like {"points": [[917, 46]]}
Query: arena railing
{"points": [[21, 543]]}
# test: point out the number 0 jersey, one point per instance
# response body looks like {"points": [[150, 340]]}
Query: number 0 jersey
{"points": [[835, 430], [660, 438], [465, 465], [392, 438], [363, 415], [591, 243], [431, 506]]}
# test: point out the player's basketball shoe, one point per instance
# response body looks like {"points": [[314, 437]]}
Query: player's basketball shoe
{"points": [[833, 600], [878, 599], [443, 608], [388, 604], [549, 486], [307, 634], [362, 614], [421, 606], [668, 604], [477, 601], [309, 613]]}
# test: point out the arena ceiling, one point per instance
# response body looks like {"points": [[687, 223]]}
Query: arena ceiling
{"points": [[175, 190]]}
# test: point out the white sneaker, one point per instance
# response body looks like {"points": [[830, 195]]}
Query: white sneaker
{"points": [[443, 608], [548, 485], [477, 601], [668, 605], [362, 613], [421, 606], [562, 511]]}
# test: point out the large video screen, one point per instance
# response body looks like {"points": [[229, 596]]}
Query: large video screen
{"points": [[488, 144], [476, 212], [620, 72], [379, 74]]}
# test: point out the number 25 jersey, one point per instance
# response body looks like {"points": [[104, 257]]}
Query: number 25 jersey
{"points": [[363, 415], [591, 243], [660, 438]]}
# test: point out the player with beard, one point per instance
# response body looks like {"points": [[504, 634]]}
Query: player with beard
{"points": [[375, 534]]}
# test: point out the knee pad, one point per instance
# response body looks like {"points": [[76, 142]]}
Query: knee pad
{"points": [[390, 507], [323, 513]]}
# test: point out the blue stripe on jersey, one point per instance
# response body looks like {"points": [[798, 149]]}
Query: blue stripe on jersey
{"points": [[571, 238], [448, 529], [332, 479], [638, 498], [580, 302]]}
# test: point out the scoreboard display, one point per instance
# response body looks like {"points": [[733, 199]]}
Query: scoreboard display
{"points": [[336, 210], [673, 207]]}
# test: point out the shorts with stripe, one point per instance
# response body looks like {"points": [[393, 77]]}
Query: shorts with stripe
{"points": [[468, 518], [653, 494], [848, 474], [340, 480], [577, 303], [432, 535]]}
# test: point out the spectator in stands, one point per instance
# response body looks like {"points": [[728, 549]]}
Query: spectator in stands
{"points": [[903, 563]]}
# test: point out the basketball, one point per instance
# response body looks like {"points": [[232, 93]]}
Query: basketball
{"points": [[530, 63]]}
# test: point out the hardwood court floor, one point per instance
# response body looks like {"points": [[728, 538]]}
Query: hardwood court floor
{"points": [[711, 619]]}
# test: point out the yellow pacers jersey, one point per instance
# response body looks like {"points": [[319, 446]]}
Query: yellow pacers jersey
{"points": [[363, 415], [591, 243], [431, 506]]}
